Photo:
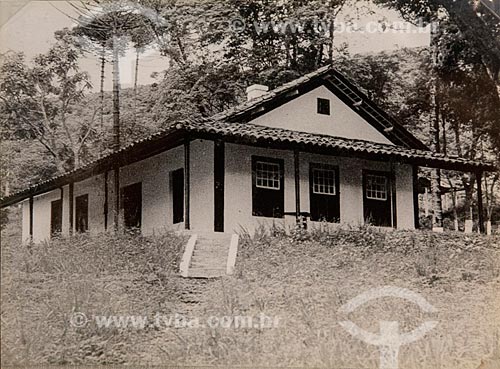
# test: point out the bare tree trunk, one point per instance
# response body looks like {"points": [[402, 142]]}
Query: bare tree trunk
{"points": [[76, 158], [437, 219], [6, 181], [116, 95], [136, 76], [331, 34], [319, 57], [103, 64]]}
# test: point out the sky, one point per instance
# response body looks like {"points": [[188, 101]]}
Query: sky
{"points": [[29, 26]]}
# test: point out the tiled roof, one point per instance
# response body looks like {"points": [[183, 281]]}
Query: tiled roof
{"points": [[247, 133]]}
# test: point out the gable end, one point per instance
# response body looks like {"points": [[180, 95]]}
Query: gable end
{"points": [[349, 95]]}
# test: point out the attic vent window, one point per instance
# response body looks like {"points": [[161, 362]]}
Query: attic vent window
{"points": [[323, 106]]}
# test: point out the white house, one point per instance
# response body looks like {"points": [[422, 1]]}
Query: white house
{"points": [[315, 148]]}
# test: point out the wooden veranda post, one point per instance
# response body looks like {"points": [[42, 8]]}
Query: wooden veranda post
{"points": [[296, 162], [71, 195], [31, 218], [416, 210], [219, 174]]}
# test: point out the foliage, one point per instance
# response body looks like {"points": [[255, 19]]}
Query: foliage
{"points": [[212, 60], [477, 23], [37, 102]]}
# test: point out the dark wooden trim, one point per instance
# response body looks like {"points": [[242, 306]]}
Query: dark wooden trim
{"points": [[106, 200], [398, 134], [296, 165], [71, 199], [116, 210], [187, 155], [219, 174], [416, 210], [31, 218], [56, 217], [62, 207], [313, 196], [256, 199], [394, 203], [177, 179], [385, 173], [480, 209]]}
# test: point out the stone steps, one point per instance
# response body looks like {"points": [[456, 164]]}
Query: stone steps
{"points": [[210, 254]]}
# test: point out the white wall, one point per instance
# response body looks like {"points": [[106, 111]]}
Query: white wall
{"points": [[41, 214], [154, 173], [65, 211], [404, 196], [300, 114], [94, 188], [25, 221], [202, 185], [238, 187], [238, 195]]}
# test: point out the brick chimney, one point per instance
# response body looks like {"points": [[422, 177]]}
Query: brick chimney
{"points": [[255, 91]]}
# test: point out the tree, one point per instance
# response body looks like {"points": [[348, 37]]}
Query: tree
{"points": [[478, 23], [37, 102], [113, 25]]}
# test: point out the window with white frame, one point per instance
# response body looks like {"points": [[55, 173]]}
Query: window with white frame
{"points": [[323, 177], [376, 187], [267, 175]]}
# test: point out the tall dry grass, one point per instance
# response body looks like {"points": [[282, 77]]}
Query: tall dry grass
{"points": [[43, 285], [304, 278], [301, 278]]}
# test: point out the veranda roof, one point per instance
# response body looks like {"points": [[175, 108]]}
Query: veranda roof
{"points": [[255, 135]]}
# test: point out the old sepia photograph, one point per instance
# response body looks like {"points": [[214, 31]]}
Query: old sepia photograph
{"points": [[250, 184]]}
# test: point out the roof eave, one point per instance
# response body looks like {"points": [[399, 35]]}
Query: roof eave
{"points": [[180, 133], [126, 156]]}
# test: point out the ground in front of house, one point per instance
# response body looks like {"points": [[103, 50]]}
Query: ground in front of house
{"points": [[297, 281]]}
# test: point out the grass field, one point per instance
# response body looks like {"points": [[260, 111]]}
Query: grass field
{"points": [[301, 280]]}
